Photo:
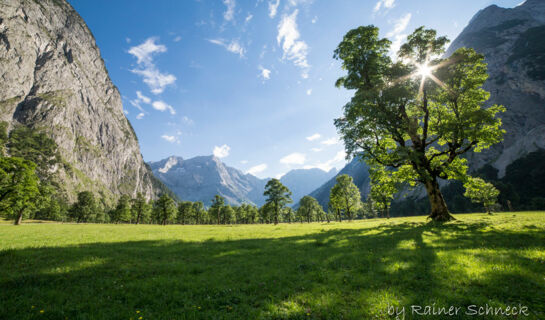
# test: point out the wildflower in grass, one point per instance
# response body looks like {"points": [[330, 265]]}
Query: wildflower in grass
{"points": [[137, 311], [42, 311], [32, 307], [140, 318]]}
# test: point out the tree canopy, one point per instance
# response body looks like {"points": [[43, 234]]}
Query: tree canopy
{"points": [[278, 195], [345, 197], [417, 115]]}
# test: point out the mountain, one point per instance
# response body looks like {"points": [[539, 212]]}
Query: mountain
{"points": [[201, 178], [54, 81], [357, 169], [513, 43], [302, 182]]}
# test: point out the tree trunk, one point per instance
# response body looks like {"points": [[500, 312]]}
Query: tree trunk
{"points": [[19, 218], [439, 210], [387, 212]]}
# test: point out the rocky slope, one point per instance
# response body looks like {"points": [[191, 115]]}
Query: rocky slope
{"points": [[53, 79], [201, 178], [513, 42]]}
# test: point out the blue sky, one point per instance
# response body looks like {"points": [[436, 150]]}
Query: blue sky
{"points": [[250, 81]]}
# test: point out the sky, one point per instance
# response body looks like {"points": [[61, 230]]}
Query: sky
{"points": [[251, 82]]}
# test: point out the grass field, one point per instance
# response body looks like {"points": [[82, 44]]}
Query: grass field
{"points": [[289, 271]]}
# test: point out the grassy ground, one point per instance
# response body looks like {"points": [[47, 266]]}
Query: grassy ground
{"points": [[311, 271]]}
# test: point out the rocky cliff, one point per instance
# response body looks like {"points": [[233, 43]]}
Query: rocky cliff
{"points": [[201, 178], [513, 43], [53, 79]]}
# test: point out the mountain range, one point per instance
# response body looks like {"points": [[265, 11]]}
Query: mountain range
{"points": [[201, 178]]}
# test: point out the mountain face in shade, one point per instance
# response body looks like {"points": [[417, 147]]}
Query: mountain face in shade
{"points": [[201, 178], [357, 169], [302, 182], [513, 43], [54, 81]]}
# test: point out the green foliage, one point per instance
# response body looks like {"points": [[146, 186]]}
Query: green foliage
{"points": [[33, 145], [418, 115], [345, 197], [18, 187], [122, 212], [140, 209], [3, 137], [310, 210], [218, 203], [164, 210], [85, 208], [186, 211], [480, 191], [200, 212], [278, 195]]}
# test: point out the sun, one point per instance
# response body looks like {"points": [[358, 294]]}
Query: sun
{"points": [[424, 70]]}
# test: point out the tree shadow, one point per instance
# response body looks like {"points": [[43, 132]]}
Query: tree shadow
{"points": [[334, 274]]}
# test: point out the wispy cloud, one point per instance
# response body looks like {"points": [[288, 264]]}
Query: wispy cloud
{"points": [[294, 159], [172, 138], [177, 39], [397, 35], [221, 151], [140, 116], [330, 141], [163, 106], [265, 73], [234, 46], [273, 8], [257, 169], [329, 164], [229, 14], [248, 18], [386, 4], [294, 49], [156, 80], [309, 92], [313, 137], [316, 149]]}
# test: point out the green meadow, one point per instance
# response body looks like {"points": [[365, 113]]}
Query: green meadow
{"points": [[348, 270]]}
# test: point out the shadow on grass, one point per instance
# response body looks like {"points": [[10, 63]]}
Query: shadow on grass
{"points": [[343, 273]]}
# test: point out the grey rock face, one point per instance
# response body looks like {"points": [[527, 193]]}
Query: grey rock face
{"points": [[513, 42], [201, 178], [54, 79]]}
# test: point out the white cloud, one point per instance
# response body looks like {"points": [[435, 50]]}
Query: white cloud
{"points": [[222, 151], [397, 35], [316, 149], [273, 8], [142, 97], [314, 20], [168, 138], [156, 80], [280, 175], [187, 120], [140, 116], [339, 159], [248, 18], [309, 92], [126, 112], [177, 39], [230, 12], [400, 25], [314, 137], [293, 159], [265, 73], [294, 50], [244, 161], [162, 106], [233, 46], [386, 4], [330, 141], [257, 169]]}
